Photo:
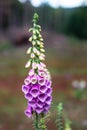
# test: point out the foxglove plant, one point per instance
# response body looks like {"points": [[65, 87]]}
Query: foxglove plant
{"points": [[37, 85]]}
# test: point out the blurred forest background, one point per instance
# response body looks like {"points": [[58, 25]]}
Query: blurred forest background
{"points": [[65, 36]]}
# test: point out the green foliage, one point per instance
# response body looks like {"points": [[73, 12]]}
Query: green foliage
{"points": [[36, 122], [43, 121], [59, 120], [62, 122], [77, 24], [67, 124], [40, 121], [71, 21]]}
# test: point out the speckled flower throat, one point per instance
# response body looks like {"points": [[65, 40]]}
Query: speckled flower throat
{"points": [[37, 85]]}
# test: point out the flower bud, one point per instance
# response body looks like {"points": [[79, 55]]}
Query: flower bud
{"points": [[28, 64], [34, 50], [32, 55], [34, 37], [29, 50], [41, 46], [42, 64], [42, 54], [41, 57], [40, 36], [37, 31], [39, 67], [42, 43], [31, 72], [34, 65], [33, 43], [30, 29], [34, 31], [38, 53], [30, 39], [41, 39], [42, 50], [38, 42]]}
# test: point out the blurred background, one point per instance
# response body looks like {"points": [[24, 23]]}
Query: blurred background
{"points": [[64, 29]]}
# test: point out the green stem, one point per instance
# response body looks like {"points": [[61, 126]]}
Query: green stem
{"points": [[37, 121]]}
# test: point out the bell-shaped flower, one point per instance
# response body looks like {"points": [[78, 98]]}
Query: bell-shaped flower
{"points": [[42, 97], [41, 80], [25, 89], [38, 110], [46, 106], [33, 79], [31, 72], [49, 100], [29, 96], [28, 112], [32, 103], [49, 91], [40, 104], [34, 91], [27, 80], [43, 89]]}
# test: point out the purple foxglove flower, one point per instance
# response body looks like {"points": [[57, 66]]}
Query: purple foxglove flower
{"points": [[48, 83], [45, 111], [41, 73], [46, 106], [40, 104], [33, 79], [25, 89], [49, 91], [41, 80], [31, 72], [32, 103], [40, 67], [37, 85], [27, 80], [49, 100], [34, 91], [38, 110], [29, 96], [28, 112], [42, 97], [43, 88], [42, 64]]}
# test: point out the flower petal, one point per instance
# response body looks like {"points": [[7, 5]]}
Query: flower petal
{"points": [[32, 103], [38, 110], [25, 88], [40, 104], [43, 88], [42, 97], [27, 80], [34, 91], [28, 112], [31, 72], [41, 80], [48, 83], [49, 91], [28, 96], [34, 79], [46, 106], [49, 100]]}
